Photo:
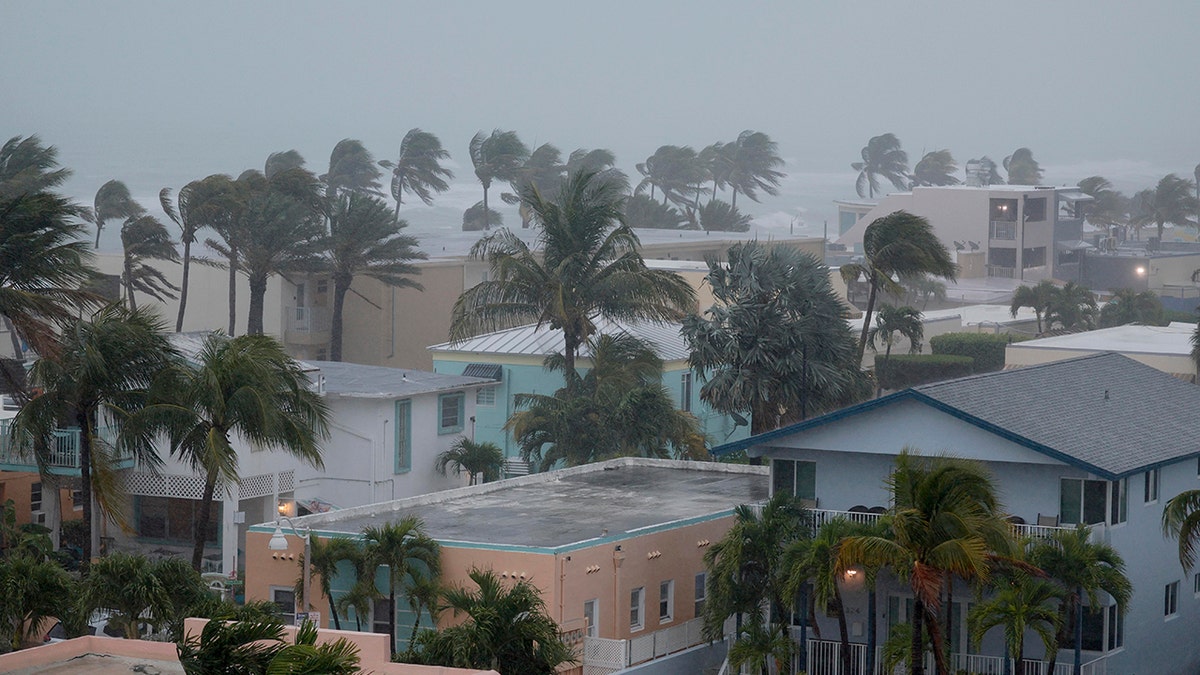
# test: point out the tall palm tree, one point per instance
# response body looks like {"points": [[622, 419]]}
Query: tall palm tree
{"points": [[1038, 298], [28, 167], [676, 171], [753, 163], [897, 246], [881, 157], [588, 266], [113, 202], [542, 170], [1073, 306], [945, 523], [247, 387], [1170, 201], [483, 461], [409, 554], [100, 375], [937, 167], [643, 212], [1130, 306], [989, 173], [351, 169], [720, 216], [1025, 604], [1022, 168], [327, 555], [474, 220], [716, 162], [815, 560], [892, 323], [1181, 518], [144, 238], [599, 160], [418, 170], [1081, 567], [1109, 207], [199, 204], [365, 239], [35, 588], [498, 156]]}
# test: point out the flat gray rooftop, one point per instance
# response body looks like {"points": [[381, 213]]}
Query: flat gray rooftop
{"points": [[599, 502]]}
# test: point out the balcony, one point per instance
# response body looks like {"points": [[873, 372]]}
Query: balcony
{"points": [[306, 325], [824, 658], [1002, 229], [63, 458]]}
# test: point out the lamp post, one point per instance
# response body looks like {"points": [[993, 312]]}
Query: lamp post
{"points": [[279, 543]]}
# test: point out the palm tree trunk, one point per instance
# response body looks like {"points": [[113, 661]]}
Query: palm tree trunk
{"points": [[85, 482], [862, 340], [917, 666], [341, 285], [802, 603], [258, 293], [129, 285], [399, 199], [887, 356], [570, 348], [233, 263], [391, 615], [872, 638], [198, 527], [486, 216], [412, 639], [714, 190], [1078, 631], [843, 632], [735, 191], [183, 286]]}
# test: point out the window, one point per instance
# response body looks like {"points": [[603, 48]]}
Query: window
{"points": [[637, 600], [1196, 584], [701, 593], [1120, 501], [1171, 599], [450, 413], [666, 601], [380, 621], [1004, 210], [685, 392], [1116, 628], [173, 518], [1083, 501], [1151, 492], [1002, 257], [485, 397], [1033, 257], [35, 497], [794, 477], [285, 603], [323, 286], [591, 614], [403, 436], [1035, 209]]}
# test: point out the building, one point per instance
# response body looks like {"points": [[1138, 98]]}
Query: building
{"points": [[1099, 440], [1166, 348], [616, 547], [514, 358], [1020, 232]]}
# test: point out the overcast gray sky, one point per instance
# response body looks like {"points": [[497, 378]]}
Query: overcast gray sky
{"points": [[158, 93]]}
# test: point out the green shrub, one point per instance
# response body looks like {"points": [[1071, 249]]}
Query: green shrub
{"points": [[1170, 315], [985, 349], [910, 370]]}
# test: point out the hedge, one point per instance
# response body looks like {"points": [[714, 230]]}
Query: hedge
{"points": [[985, 349], [909, 370]]}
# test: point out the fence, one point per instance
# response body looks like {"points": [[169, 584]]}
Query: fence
{"points": [[824, 658], [602, 656]]}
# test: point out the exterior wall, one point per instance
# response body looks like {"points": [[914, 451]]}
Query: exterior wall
{"points": [[18, 486], [1019, 354]]}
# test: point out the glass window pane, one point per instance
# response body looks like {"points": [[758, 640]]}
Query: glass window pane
{"points": [[1093, 629], [806, 480], [783, 476], [1070, 506], [1095, 494]]}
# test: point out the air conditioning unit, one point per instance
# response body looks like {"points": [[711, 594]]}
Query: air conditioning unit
{"points": [[38, 517]]}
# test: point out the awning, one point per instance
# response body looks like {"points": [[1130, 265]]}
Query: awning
{"points": [[490, 371], [1073, 245]]}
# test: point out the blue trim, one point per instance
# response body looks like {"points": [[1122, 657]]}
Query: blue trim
{"points": [[403, 433]]}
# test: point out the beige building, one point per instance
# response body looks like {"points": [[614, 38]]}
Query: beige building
{"points": [[1166, 348]]}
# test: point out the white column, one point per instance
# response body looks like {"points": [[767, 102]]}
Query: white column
{"points": [[229, 531]]}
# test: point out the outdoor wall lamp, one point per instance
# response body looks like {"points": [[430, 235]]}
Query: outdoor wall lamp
{"points": [[279, 543]]}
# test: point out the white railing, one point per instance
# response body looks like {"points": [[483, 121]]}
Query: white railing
{"points": [[306, 319], [1038, 531], [605, 655], [822, 516], [64, 448], [825, 657]]}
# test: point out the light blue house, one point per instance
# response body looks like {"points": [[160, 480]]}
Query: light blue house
{"points": [[514, 358], [1100, 440]]}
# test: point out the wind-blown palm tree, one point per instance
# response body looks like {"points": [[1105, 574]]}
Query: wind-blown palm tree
{"points": [[113, 202], [1181, 518], [1072, 306], [989, 173], [498, 156], [1108, 208], [892, 323], [408, 552], [1130, 306], [199, 204], [351, 169], [143, 239], [676, 171], [246, 387], [753, 164], [129, 586], [589, 266], [937, 167], [720, 216], [365, 239], [1170, 201], [1038, 298], [327, 554], [601, 161], [881, 157], [474, 220], [28, 167], [418, 170], [34, 588], [480, 461], [1081, 567], [100, 376], [897, 246], [542, 170], [1022, 168], [1026, 604]]}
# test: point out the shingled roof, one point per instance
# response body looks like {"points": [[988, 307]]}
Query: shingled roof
{"points": [[1105, 412]]}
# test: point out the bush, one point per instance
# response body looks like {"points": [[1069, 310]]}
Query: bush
{"points": [[985, 349], [910, 370], [1170, 315]]}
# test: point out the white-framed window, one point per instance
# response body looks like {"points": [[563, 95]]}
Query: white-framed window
{"points": [[1116, 628], [666, 601], [637, 608], [591, 614], [285, 602], [1119, 502], [685, 392], [450, 413], [380, 621], [485, 397], [1083, 501], [1171, 600], [798, 478], [35, 497], [701, 592], [1151, 486], [403, 436]]}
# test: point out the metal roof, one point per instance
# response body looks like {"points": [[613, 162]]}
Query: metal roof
{"points": [[533, 340], [1105, 413], [353, 380]]}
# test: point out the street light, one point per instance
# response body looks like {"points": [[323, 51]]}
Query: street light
{"points": [[279, 543]]}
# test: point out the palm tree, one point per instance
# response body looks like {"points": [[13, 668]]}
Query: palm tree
{"points": [[775, 344], [1038, 298], [758, 646], [815, 560], [100, 375], [245, 386], [601, 161], [1081, 566], [1181, 517], [365, 239], [945, 523], [1073, 306], [34, 588], [937, 167], [474, 219], [1130, 306], [113, 202], [1025, 604], [483, 461], [892, 323], [418, 169], [1109, 208], [506, 630], [719, 216], [989, 173], [144, 238], [716, 163], [28, 167], [129, 586], [542, 170], [199, 204], [351, 169], [409, 554], [881, 157], [588, 266], [498, 156], [619, 408], [259, 648], [897, 246], [643, 212], [1170, 201], [1022, 168], [676, 171], [327, 554], [753, 163]]}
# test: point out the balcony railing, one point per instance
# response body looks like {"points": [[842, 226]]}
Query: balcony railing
{"points": [[605, 655], [1001, 272], [824, 658], [306, 319], [1003, 230], [63, 456]]}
